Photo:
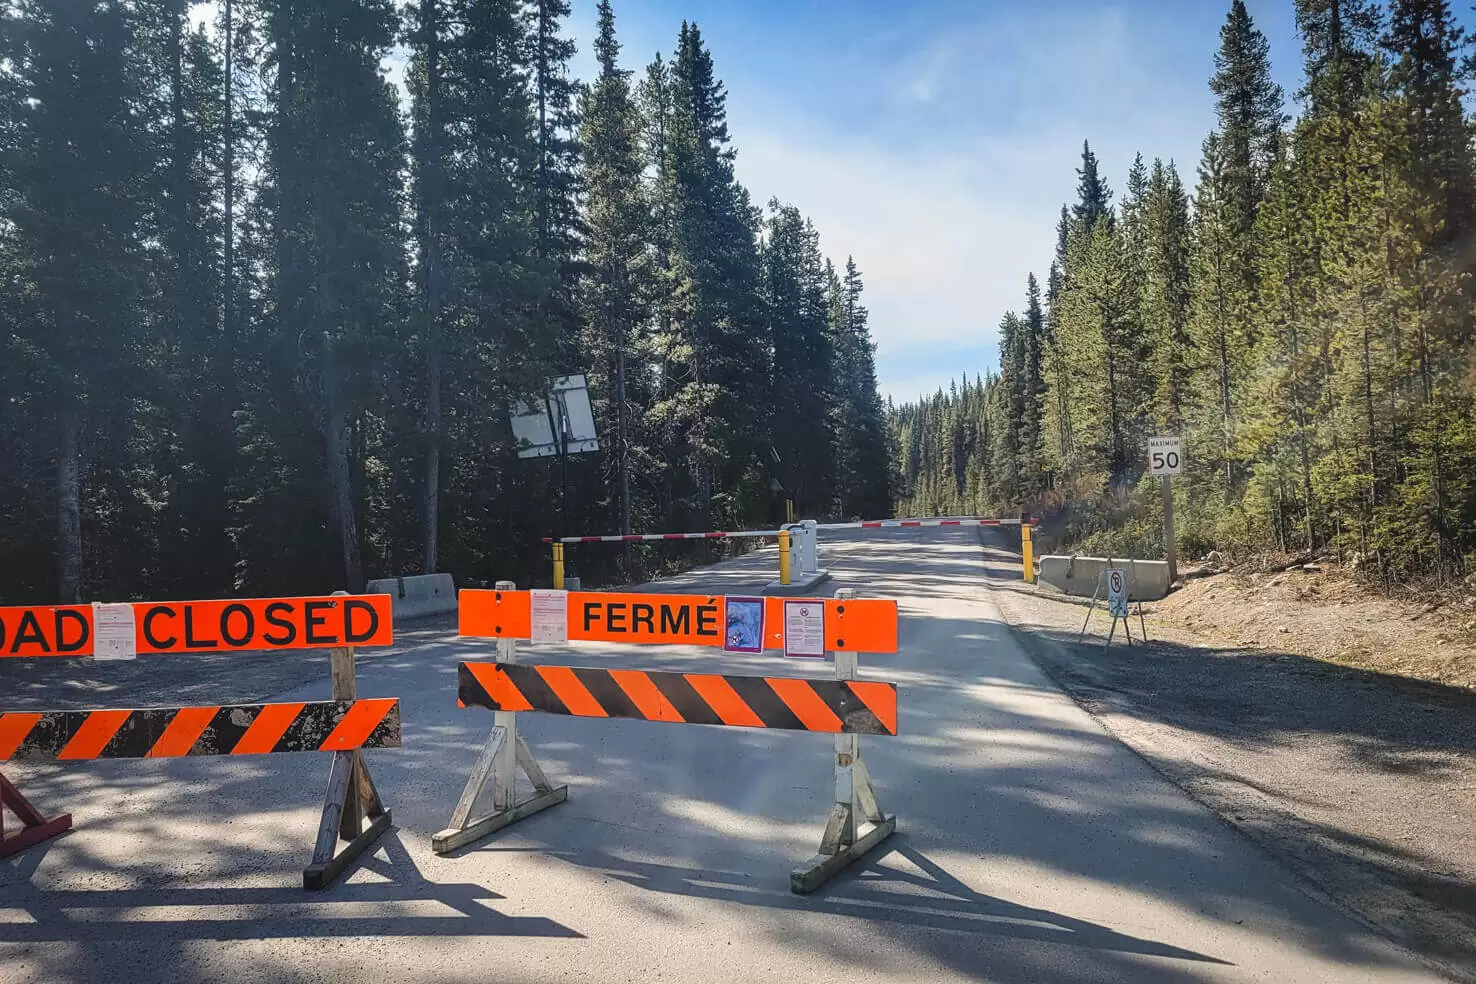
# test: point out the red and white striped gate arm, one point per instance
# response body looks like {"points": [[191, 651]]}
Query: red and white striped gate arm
{"points": [[877, 524], [634, 537]]}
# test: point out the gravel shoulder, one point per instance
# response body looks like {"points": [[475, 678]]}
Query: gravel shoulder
{"points": [[1362, 782]]}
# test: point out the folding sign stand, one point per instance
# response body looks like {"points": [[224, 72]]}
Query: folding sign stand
{"points": [[351, 797], [35, 828], [504, 753], [1096, 591], [844, 840]]}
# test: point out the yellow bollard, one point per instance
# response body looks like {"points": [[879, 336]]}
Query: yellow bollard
{"points": [[1027, 551], [783, 556], [558, 566]]}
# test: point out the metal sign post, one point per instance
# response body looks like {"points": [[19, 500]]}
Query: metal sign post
{"points": [[1166, 459]]}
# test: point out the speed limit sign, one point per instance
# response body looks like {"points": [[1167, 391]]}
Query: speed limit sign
{"points": [[1165, 456]]}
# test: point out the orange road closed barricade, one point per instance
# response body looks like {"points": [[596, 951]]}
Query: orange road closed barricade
{"points": [[205, 626], [343, 726], [845, 707]]}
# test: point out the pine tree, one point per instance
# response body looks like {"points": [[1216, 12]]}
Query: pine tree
{"points": [[1030, 426], [1094, 198], [196, 353], [335, 173], [1164, 302], [804, 358], [712, 334], [618, 289], [864, 474], [1248, 108], [1338, 37], [79, 170]]}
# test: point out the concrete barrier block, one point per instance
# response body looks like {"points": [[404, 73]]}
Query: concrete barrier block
{"points": [[418, 595], [1148, 580]]}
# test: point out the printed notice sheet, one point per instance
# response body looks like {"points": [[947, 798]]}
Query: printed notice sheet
{"points": [[804, 629], [550, 615]]}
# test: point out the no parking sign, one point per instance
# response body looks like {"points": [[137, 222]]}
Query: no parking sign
{"points": [[1117, 599]]}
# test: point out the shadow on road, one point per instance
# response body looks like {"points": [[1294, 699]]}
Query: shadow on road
{"points": [[404, 904]]}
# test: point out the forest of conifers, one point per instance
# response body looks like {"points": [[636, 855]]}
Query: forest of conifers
{"points": [[1305, 322], [263, 312]]}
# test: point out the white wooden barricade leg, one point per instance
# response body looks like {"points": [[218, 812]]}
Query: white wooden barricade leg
{"points": [[846, 838], [352, 810], [502, 756]]}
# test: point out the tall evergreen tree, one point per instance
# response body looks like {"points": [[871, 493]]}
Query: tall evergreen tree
{"points": [[1338, 38], [335, 176], [804, 358], [618, 289], [863, 454], [80, 172], [712, 334], [1249, 116], [1094, 198]]}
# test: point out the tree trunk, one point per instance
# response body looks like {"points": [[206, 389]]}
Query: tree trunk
{"points": [[228, 277], [621, 439], [339, 474], [432, 292], [69, 508]]}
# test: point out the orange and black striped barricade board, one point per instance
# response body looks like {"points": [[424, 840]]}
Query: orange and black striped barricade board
{"points": [[833, 706], [859, 625], [352, 810], [170, 732], [844, 707]]}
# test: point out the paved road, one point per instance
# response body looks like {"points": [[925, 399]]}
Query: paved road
{"points": [[1033, 846]]}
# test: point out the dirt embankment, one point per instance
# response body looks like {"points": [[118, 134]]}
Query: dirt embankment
{"points": [[1328, 616]]}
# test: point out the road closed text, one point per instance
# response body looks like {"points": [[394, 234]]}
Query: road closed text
{"points": [[46, 631], [206, 626], [258, 623]]}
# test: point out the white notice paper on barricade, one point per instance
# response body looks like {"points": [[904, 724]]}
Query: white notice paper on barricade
{"points": [[1117, 596], [550, 615], [804, 629], [113, 635]]}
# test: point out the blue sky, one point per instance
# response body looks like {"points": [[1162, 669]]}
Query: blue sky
{"points": [[935, 140]]}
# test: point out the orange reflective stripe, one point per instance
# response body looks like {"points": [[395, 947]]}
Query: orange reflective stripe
{"points": [[805, 703], [652, 703], [498, 687], [880, 699], [357, 725], [566, 686], [267, 729], [724, 700], [13, 730], [97, 730], [181, 733]]}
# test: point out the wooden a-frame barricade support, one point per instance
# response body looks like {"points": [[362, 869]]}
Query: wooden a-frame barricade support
{"points": [[344, 726], [846, 706]]}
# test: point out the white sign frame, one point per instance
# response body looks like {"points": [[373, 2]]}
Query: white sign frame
{"points": [[1166, 455], [536, 423]]}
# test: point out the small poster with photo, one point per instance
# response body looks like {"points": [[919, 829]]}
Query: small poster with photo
{"points": [[743, 626]]}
